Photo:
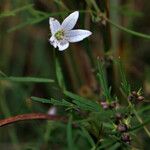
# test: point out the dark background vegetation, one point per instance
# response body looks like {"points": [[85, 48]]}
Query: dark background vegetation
{"points": [[25, 51]]}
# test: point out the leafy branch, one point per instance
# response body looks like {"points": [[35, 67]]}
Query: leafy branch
{"points": [[127, 90]]}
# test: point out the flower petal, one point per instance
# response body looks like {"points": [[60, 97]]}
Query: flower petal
{"points": [[62, 45], [53, 41], [52, 111], [54, 25], [70, 21], [77, 35]]}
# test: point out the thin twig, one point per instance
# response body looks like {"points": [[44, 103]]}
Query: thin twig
{"points": [[31, 116]]}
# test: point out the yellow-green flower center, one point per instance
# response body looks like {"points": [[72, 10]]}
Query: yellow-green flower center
{"points": [[59, 35]]}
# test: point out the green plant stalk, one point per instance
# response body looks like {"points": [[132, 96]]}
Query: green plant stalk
{"points": [[94, 4], [48, 131], [138, 34], [139, 118]]}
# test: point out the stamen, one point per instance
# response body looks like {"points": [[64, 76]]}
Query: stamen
{"points": [[59, 35]]}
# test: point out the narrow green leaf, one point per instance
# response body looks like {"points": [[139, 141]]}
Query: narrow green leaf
{"points": [[140, 126], [42, 16], [88, 137], [61, 102], [61, 4], [13, 12], [69, 135], [52, 101], [83, 103], [143, 109], [29, 6], [106, 143], [42, 100], [103, 80], [124, 83], [31, 21], [27, 79], [2, 74], [115, 146]]}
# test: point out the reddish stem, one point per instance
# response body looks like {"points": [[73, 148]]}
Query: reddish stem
{"points": [[31, 116]]}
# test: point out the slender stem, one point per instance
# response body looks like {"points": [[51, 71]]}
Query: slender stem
{"points": [[138, 34], [141, 121], [3, 74], [95, 5], [48, 131], [31, 116], [139, 118], [128, 30]]}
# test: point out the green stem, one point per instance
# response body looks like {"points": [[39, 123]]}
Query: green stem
{"points": [[128, 30], [138, 118], [48, 131], [95, 5], [141, 121]]}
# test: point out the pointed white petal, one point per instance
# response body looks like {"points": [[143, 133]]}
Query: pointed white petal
{"points": [[54, 25], [77, 35], [62, 45], [70, 21], [53, 41]]}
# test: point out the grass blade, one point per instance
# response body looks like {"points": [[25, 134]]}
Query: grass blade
{"points": [[27, 79]]}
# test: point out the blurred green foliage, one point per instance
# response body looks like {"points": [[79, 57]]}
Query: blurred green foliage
{"points": [[28, 68]]}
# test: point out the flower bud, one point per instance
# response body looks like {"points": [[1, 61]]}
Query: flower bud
{"points": [[122, 128], [114, 105], [134, 93], [105, 105], [131, 98], [126, 138], [140, 98], [118, 118]]}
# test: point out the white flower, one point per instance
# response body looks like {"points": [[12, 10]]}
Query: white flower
{"points": [[52, 111], [62, 34]]}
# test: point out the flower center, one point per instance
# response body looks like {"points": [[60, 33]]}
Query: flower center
{"points": [[59, 35]]}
